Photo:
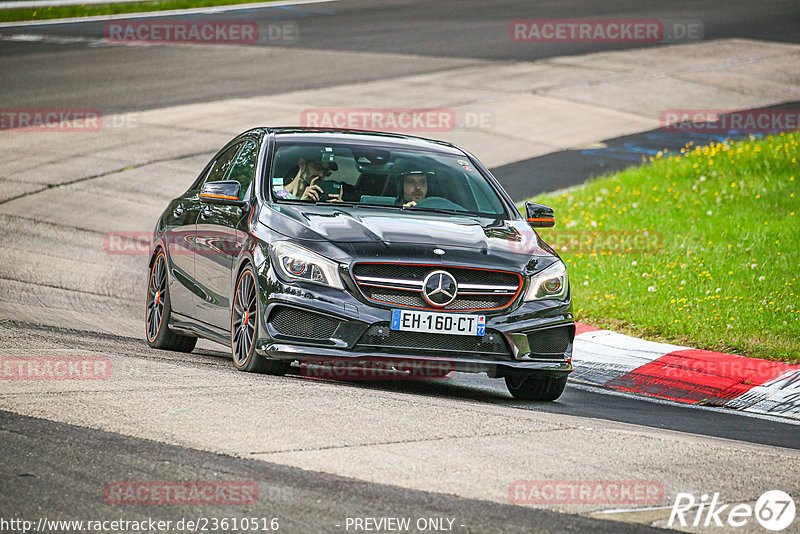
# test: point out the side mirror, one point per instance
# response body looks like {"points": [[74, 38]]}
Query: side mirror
{"points": [[223, 192], [539, 216]]}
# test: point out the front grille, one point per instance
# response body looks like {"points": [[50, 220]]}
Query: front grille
{"points": [[418, 272], [395, 296], [380, 336], [298, 323], [551, 342], [401, 285]]}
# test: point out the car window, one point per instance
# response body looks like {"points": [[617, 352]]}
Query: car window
{"points": [[200, 178], [244, 167], [391, 177], [221, 167], [481, 197]]}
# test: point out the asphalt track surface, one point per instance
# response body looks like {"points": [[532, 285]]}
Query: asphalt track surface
{"points": [[438, 34], [58, 471], [55, 469], [565, 168], [584, 401], [48, 467]]}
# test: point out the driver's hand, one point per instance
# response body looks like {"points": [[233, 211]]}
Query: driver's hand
{"points": [[410, 204], [312, 192]]}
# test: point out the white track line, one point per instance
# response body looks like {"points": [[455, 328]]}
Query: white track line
{"points": [[154, 14], [48, 3]]}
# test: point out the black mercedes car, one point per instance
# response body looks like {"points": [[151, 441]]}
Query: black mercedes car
{"points": [[311, 246]]}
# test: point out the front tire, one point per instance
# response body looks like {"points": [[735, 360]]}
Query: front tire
{"points": [[244, 325], [535, 387], [158, 311]]}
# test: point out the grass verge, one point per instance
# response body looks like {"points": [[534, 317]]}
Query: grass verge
{"points": [[699, 248], [59, 12]]}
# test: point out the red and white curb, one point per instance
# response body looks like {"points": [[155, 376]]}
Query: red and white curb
{"points": [[683, 374]]}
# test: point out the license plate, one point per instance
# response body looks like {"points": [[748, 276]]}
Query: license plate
{"points": [[438, 323]]}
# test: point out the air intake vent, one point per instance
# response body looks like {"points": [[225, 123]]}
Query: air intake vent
{"points": [[302, 324], [550, 343]]}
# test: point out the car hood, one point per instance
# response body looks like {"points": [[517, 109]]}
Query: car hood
{"points": [[393, 234]]}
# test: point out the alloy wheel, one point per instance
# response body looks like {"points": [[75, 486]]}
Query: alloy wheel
{"points": [[243, 325], [156, 292]]}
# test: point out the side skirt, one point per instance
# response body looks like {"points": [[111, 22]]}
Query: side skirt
{"points": [[186, 325]]}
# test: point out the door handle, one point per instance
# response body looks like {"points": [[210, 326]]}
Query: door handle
{"points": [[178, 211], [206, 213]]}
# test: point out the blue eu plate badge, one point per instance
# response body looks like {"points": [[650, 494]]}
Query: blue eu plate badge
{"points": [[395, 320]]}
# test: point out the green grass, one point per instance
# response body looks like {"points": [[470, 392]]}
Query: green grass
{"points": [[58, 12], [718, 269]]}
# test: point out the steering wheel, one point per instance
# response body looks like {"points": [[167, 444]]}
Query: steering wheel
{"points": [[439, 203]]}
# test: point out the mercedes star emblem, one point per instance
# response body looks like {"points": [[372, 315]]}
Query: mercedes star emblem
{"points": [[439, 288]]}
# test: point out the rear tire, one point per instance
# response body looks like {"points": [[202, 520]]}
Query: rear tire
{"points": [[244, 326], [535, 387], [158, 310]]}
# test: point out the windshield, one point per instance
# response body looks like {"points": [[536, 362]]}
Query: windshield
{"points": [[394, 178]]}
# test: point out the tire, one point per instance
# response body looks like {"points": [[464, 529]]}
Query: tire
{"points": [[535, 387], [244, 327], [158, 310]]}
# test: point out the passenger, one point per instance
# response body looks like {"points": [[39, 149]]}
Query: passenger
{"points": [[302, 186]]}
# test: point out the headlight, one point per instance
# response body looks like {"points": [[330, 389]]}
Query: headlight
{"points": [[295, 263], [552, 283]]}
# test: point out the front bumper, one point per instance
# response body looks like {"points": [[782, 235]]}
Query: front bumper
{"points": [[311, 323]]}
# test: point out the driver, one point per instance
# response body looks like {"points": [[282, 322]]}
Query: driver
{"points": [[414, 187], [413, 183]]}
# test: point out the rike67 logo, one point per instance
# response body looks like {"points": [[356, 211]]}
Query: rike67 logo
{"points": [[774, 510]]}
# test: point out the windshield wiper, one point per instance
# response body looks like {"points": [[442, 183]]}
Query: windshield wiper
{"points": [[334, 203], [452, 212], [414, 208], [352, 204]]}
